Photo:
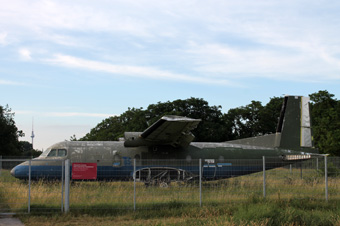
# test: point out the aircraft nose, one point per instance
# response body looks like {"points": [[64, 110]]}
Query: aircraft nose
{"points": [[13, 172]]}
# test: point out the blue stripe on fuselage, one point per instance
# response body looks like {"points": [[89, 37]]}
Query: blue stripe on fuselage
{"points": [[125, 172]]}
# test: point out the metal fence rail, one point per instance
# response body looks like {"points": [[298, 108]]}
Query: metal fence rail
{"points": [[144, 184]]}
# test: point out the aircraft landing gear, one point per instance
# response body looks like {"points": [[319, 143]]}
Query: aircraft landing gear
{"points": [[162, 176]]}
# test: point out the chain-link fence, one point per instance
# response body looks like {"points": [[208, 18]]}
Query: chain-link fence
{"points": [[40, 185]]}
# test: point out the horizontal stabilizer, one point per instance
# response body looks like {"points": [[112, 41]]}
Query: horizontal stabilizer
{"points": [[296, 157]]}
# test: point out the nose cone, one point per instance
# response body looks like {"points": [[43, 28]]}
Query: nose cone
{"points": [[13, 172]]}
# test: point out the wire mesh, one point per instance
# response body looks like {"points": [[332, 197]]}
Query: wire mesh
{"points": [[167, 182], [232, 185], [145, 184], [13, 193], [112, 189], [46, 189], [333, 173], [30, 185], [301, 179]]}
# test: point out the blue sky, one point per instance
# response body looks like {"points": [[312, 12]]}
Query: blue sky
{"points": [[71, 64]]}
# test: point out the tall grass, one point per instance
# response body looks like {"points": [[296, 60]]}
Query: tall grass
{"points": [[252, 211], [290, 200], [280, 184]]}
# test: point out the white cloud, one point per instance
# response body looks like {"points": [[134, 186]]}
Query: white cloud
{"points": [[297, 64], [47, 15], [132, 71], [76, 114], [3, 38], [25, 54], [232, 39], [12, 83], [64, 114]]}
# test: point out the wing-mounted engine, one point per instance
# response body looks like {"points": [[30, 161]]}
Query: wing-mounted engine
{"points": [[162, 176], [170, 130], [134, 139]]}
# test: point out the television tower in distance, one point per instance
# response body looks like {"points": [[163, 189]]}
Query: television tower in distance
{"points": [[32, 136]]}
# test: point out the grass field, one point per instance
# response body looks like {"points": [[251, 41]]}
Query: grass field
{"points": [[252, 211], [292, 198]]}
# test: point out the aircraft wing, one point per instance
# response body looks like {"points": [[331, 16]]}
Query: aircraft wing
{"points": [[169, 130]]}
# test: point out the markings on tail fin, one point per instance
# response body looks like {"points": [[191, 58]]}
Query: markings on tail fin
{"points": [[306, 133]]}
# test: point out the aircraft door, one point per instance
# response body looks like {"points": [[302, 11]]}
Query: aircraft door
{"points": [[116, 159], [138, 160], [209, 168]]}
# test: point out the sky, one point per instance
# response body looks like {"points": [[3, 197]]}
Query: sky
{"points": [[67, 65]]}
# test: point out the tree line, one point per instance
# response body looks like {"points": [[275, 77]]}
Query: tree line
{"points": [[250, 120], [253, 119]]}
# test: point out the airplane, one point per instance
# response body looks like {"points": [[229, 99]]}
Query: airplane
{"points": [[164, 152]]}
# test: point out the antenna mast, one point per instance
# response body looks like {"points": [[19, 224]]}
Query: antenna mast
{"points": [[32, 136]]}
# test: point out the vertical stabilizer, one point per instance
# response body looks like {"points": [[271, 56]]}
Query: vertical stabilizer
{"points": [[294, 127]]}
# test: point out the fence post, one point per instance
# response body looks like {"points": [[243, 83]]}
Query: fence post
{"points": [[0, 164], [317, 164], [326, 179], [62, 185], [67, 186], [134, 184], [264, 176], [200, 182], [29, 185]]}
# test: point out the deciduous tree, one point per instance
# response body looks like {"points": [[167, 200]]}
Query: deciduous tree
{"points": [[326, 122], [9, 133]]}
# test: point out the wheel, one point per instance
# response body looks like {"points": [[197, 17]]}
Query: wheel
{"points": [[163, 185]]}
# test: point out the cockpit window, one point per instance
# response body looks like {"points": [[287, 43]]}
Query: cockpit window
{"points": [[45, 153], [62, 152], [53, 153], [56, 153]]}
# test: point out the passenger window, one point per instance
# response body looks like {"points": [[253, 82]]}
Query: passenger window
{"points": [[53, 153], [62, 152], [116, 160], [138, 161]]}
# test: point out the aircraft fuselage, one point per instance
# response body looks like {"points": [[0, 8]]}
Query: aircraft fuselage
{"points": [[116, 162]]}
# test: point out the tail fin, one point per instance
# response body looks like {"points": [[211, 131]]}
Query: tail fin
{"points": [[294, 127], [293, 131]]}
